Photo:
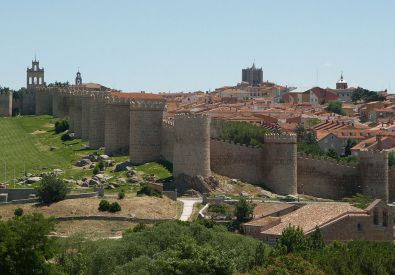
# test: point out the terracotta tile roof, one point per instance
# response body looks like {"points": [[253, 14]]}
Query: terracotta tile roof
{"points": [[269, 208], [311, 215]]}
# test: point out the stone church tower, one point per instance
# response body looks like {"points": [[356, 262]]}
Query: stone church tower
{"points": [[78, 78], [341, 84], [35, 75]]}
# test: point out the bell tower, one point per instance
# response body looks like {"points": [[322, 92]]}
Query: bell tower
{"points": [[78, 78], [35, 75]]}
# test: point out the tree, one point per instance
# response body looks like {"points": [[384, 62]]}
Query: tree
{"points": [[52, 189], [316, 241], [292, 240], [350, 144], [332, 154], [25, 247], [364, 95], [244, 210], [335, 107]]}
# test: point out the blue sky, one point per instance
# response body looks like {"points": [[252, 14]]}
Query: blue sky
{"points": [[190, 45]]}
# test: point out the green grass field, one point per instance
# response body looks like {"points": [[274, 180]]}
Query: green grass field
{"points": [[25, 144]]}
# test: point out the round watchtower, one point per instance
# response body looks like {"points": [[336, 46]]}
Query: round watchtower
{"points": [[145, 130], [96, 120], [373, 167], [117, 126], [192, 145], [280, 163]]}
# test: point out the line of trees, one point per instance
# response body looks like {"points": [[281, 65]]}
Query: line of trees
{"points": [[176, 247]]}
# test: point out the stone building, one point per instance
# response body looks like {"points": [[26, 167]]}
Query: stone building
{"points": [[253, 75], [336, 221]]}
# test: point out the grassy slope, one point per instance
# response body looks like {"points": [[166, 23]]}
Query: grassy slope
{"points": [[25, 143]]}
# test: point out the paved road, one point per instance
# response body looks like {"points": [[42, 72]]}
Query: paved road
{"points": [[188, 207]]}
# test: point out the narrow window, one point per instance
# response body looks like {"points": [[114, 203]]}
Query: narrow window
{"points": [[375, 216], [359, 227], [385, 218]]}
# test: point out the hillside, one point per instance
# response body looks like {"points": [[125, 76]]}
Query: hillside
{"points": [[30, 144]]}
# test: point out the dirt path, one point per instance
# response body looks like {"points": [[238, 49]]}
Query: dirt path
{"points": [[188, 207]]}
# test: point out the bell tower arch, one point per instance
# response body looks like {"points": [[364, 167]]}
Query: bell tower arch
{"points": [[35, 75]]}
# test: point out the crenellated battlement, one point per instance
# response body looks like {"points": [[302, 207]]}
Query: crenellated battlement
{"points": [[324, 161], [147, 105], [119, 100], [369, 155], [235, 143], [280, 138], [168, 124]]}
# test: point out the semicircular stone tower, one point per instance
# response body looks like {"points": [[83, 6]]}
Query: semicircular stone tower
{"points": [[192, 145], [280, 163], [145, 130]]}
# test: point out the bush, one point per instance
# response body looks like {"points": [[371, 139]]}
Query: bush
{"points": [[61, 125], [104, 205], [335, 107], [18, 212], [121, 195], [140, 227], [52, 189], [114, 207], [95, 170], [149, 191], [66, 137]]}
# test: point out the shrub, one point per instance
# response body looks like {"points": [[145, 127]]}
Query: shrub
{"points": [[95, 170], [18, 212], [114, 207], [149, 191], [52, 189], [61, 125], [100, 165], [121, 195], [66, 137], [139, 227], [244, 210], [104, 205]]}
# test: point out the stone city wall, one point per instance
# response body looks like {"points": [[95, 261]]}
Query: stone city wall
{"points": [[391, 184], [44, 101], [326, 179], [28, 103], [237, 161], [6, 104]]}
